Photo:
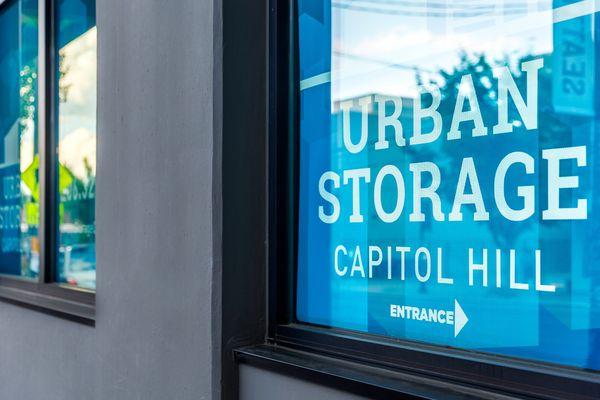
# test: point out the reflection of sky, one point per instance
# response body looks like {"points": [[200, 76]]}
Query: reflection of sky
{"points": [[366, 41], [77, 115]]}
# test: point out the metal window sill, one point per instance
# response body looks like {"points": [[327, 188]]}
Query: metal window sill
{"points": [[52, 303], [360, 379]]}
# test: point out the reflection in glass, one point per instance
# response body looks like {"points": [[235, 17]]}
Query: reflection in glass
{"points": [[76, 38], [431, 87], [19, 195]]}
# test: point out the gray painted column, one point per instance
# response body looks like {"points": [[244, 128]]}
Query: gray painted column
{"points": [[158, 202]]}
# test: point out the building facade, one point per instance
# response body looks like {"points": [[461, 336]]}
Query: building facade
{"points": [[298, 199]]}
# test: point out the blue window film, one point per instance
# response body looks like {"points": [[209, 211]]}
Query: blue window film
{"points": [[448, 174]]}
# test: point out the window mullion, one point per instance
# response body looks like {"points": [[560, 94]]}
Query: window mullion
{"points": [[47, 148]]}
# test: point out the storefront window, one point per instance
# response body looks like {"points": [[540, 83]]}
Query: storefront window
{"points": [[19, 194], [76, 39], [448, 181]]}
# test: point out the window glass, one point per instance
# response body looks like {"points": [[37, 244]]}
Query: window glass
{"points": [[76, 41], [448, 177], [19, 195]]}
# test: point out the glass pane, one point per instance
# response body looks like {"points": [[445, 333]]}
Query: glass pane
{"points": [[77, 46], [448, 177], [19, 196]]}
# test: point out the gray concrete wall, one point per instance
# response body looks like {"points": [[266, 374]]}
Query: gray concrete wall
{"points": [[260, 384], [158, 209]]}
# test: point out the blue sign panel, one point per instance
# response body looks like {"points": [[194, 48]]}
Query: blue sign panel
{"points": [[448, 190], [573, 67]]}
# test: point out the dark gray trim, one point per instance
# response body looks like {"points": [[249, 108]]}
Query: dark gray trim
{"points": [[515, 377], [243, 178], [49, 144], [362, 380], [69, 303], [43, 126]]}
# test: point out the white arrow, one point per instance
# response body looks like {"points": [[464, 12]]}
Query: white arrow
{"points": [[460, 318]]}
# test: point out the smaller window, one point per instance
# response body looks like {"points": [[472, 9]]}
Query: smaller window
{"points": [[48, 154]]}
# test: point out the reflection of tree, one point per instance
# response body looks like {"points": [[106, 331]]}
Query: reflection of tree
{"points": [[63, 70], [27, 121], [451, 154], [28, 90]]}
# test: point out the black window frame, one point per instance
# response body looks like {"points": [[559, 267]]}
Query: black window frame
{"points": [[46, 293], [499, 374]]}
